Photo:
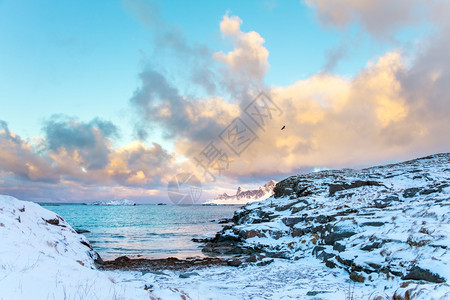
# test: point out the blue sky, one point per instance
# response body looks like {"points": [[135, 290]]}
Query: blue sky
{"points": [[90, 59], [82, 58]]}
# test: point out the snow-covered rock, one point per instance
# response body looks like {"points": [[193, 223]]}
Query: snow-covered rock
{"points": [[115, 202], [245, 196], [383, 222], [42, 257]]}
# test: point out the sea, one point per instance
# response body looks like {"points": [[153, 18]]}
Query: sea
{"points": [[145, 231]]}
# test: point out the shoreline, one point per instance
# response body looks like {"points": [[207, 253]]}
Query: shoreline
{"points": [[124, 263]]}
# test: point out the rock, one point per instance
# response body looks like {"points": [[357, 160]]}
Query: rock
{"points": [[417, 273], [333, 188], [380, 204], [324, 219], [375, 267], [325, 256], [373, 224], [97, 259], [411, 192], [330, 264], [289, 205], [356, 277], [122, 259], [54, 221], [255, 257], [315, 293], [337, 236], [248, 234], [224, 221], [345, 262], [86, 244], [372, 246], [264, 262], [281, 254], [302, 191], [283, 188], [391, 198], [251, 216], [345, 195], [292, 221], [317, 249], [338, 247], [188, 274], [297, 232], [234, 262], [346, 212], [430, 191], [195, 240], [160, 273], [80, 231]]}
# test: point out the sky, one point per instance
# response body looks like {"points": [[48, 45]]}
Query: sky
{"points": [[106, 100]]}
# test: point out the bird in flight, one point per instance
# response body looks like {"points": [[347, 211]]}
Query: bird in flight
{"points": [[284, 126]]}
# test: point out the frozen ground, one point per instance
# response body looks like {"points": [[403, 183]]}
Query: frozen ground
{"points": [[42, 257], [41, 260]]}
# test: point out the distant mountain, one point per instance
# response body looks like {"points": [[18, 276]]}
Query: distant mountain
{"points": [[114, 202], [245, 196]]}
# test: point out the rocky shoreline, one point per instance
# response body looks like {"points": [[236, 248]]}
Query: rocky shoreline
{"points": [[381, 222], [125, 263], [387, 221]]}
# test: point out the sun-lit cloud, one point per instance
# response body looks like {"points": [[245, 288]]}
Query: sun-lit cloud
{"points": [[249, 58], [80, 155]]}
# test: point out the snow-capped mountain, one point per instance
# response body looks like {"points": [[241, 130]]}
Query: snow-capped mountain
{"points": [[115, 202], [245, 196]]}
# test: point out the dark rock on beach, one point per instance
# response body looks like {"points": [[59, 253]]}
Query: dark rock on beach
{"points": [[125, 263]]}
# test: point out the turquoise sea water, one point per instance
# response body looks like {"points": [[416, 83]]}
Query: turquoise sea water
{"points": [[151, 231]]}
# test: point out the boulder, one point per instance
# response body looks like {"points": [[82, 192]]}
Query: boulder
{"points": [[337, 236], [411, 192], [188, 274], [417, 273], [333, 188], [234, 262]]}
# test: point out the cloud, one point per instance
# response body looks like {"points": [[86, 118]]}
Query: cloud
{"points": [[17, 157], [90, 141], [138, 165], [389, 111], [197, 120], [78, 158], [331, 121], [249, 58], [159, 103], [382, 18], [188, 61]]}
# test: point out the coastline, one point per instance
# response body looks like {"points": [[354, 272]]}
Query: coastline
{"points": [[375, 233]]}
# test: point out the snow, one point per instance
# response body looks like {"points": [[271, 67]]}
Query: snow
{"points": [[243, 197], [115, 202], [39, 260]]}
